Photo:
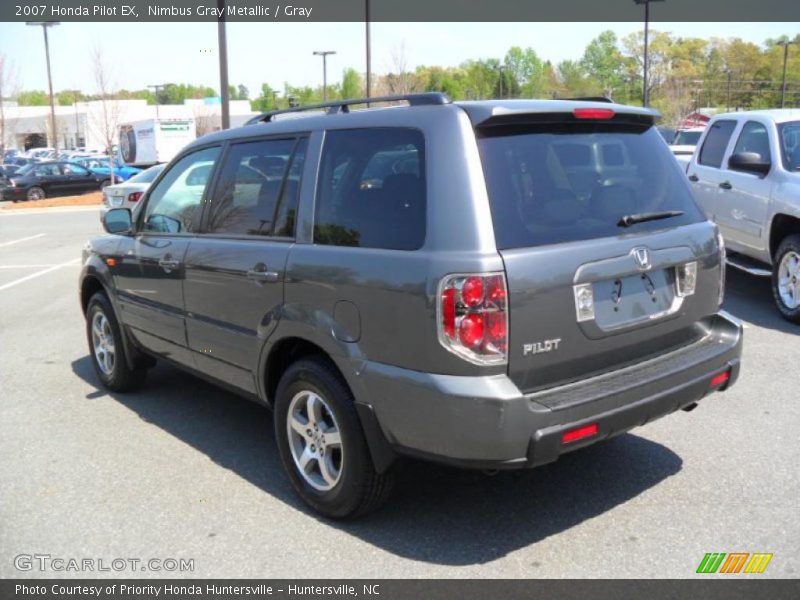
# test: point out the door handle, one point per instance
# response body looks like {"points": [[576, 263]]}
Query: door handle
{"points": [[694, 178], [168, 264], [726, 185], [260, 274]]}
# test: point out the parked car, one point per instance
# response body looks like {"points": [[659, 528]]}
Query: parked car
{"points": [[684, 143], [39, 153], [668, 133], [19, 161], [128, 194], [427, 280], [746, 176], [41, 180], [100, 165]]}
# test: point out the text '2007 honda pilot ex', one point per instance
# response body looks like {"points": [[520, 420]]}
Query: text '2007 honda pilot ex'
{"points": [[484, 284]]}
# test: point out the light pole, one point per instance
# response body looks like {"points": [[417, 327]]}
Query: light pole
{"points": [[157, 87], [369, 50], [785, 44], [324, 54], [225, 94], [501, 69], [728, 95], [645, 89], [45, 25]]}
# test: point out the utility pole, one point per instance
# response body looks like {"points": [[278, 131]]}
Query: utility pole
{"points": [[785, 44], [501, 69], [225, 93], [45, 25], [324, 54], [728, 95]]}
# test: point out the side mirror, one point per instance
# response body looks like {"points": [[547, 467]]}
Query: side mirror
{"points": [[118, 220], [750, 162]]}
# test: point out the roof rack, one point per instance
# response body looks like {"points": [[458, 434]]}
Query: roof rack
{"points": [[339, 106], [589, 99]]}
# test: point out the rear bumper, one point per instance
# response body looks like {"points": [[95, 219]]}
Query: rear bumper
{"points": [[9, 193], [486, 422]]}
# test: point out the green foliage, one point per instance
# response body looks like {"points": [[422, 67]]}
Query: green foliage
{"points": [[351, 84], [33, 98]]}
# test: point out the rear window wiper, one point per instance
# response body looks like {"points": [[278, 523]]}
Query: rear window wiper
{"points": [[629, 220]]}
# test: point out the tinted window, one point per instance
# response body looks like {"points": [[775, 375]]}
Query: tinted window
{"points": [[789, 135], [716, 142], [258, 188], [687, 138], [46, 170], [175, 203], [754, 138], [539, 195], [371, 190]]}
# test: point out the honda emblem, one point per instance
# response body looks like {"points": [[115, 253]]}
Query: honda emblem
{"points": [[642, 258]]}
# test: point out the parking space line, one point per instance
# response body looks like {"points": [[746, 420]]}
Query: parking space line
{"points": [[25, 239], [25, 266], [38, 274]]}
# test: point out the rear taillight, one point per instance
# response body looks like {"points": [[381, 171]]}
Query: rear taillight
{"points": [[134, 196], [722, 266], [473, 317]]}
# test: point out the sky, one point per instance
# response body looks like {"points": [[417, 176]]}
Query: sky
{"points": [[276, 52]]}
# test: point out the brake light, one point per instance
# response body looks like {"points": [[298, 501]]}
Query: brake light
{"points": [[134, 196], [580, 433], [473, 317], [593, 113]]}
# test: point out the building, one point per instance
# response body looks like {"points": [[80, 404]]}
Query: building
{"points": [[95, 125]]}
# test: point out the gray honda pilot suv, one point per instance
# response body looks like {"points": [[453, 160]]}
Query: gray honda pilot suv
{"points": [[484, 284]]}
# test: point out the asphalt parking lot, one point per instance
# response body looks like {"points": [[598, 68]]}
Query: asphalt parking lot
{"points": [[185, 470]]}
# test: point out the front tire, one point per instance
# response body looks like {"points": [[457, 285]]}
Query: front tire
{"points": [[322, 445], [786, 278], [107, 348]]}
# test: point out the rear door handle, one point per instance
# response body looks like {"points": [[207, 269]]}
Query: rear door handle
{"points": [[694, 178], [726, 185], [260, 274]]}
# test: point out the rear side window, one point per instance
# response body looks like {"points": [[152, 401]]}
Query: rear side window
{"points": [[541, 194], [258, 188], [371, 189], [719, 134], [754, 138]]}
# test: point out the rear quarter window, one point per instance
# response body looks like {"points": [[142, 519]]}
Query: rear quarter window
{"points": [[371, 189], [550, 184]]}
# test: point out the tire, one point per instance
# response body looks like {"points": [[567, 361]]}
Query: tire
{"points": [[355, 488], [103, 334], [786, 278], [35, 193], [105, 183]]}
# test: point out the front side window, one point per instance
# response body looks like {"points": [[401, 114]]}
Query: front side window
{"points": [[371, 189], [258, 188], [174, 205], [789, 135], [713, 150], [754, 138]]}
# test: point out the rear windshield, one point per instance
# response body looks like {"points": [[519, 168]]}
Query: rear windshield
{"points": [[687, 138], [559, 183]]}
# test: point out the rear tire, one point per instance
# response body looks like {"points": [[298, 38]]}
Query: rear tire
{"points": [[107, 349], [316, 425], [35, 193], [786, 278]]}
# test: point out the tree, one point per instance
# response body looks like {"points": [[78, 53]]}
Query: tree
{"points": [[7, 90], [602, 62], [267, 101], [400, 80], [351, 84], [33, 98], [526, 70], [105, 122]]}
